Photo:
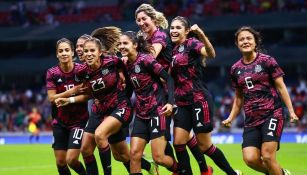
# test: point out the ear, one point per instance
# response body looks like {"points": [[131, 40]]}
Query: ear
{"points": [[187, 31], [135, 46], [100, 52]]}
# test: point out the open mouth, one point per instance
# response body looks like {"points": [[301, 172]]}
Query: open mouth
{"points": [[174, 36]]}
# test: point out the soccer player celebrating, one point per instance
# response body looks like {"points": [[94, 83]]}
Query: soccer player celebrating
{"points": [[68, 121], [153, 25], [102, 80], [79, 46], [195, 104], [259, 88], [88, 141], [151, 105]]}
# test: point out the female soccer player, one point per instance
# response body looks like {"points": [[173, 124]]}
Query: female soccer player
{"points": [[88, 142], [79, 46], [69, 121], [259, 88], [153, 25], [152, 107], [101, 76], [195, 104]]}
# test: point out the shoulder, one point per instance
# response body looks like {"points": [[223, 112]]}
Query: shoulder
{"points": [[53, 70], [192, 41], [265, 57], [146, 58], [80, 67], [237, 64], [160, 33]]}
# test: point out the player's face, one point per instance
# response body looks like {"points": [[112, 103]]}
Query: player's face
{"points": [[126, 46], [64, 53], [91, 53], [178, 32], [79, 49], [145, 23], [246, 42]]}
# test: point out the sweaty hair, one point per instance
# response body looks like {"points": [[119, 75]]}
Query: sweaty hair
{"points": [[186, 24], [109, 37], [155, 15], [85, 36], [139, 39], [256, 34], [96, 41], [64, 40]]}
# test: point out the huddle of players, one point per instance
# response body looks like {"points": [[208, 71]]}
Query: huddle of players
{"points": [[92, 107]]}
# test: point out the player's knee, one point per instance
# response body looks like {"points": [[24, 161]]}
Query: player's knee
{"points": [[267, 159], [135, 154], [71, 161], [100, 138], [121, 156], [158, 157], [61, 163], [251, 161], [85, 151]]}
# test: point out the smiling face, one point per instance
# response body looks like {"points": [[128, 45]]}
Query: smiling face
{"points": [[79, 49], [246, 42], [92, 53], [145, 23], [64, 52], [126, 46], [178, 32]]}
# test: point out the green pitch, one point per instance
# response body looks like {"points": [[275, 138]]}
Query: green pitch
{"points": [[39, 160]]}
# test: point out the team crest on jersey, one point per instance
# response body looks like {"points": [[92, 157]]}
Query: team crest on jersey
{"points": [[105, 71], [87, 76], [258, 68], [239, 72], [137, 69], [181, 48], [60, 80]]}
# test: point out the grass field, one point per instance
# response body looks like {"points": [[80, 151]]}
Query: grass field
{"points": [[39, 160]]}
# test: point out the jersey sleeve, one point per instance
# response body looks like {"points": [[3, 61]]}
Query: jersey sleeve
{"points": [[233, 78], [50, 84], [152, 65], [274, 69], [160, 38], [196, 45]]}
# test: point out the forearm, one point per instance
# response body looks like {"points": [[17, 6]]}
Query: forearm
{"points": [[52, 97], [236, 107], [286, 98], [208, 46]]}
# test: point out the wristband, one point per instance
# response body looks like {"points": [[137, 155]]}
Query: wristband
{"points": [[72, 100]]}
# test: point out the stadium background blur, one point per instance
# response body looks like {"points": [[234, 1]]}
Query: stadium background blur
{"points": [[30, 28]]}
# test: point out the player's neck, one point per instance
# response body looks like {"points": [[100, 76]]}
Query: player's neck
{"points": [[151, 32], [67, 67], [96, 65], [249, 57], [132, 57]]}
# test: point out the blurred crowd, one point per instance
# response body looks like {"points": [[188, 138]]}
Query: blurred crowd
{"points": [[17, 108], [43, 12]]}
